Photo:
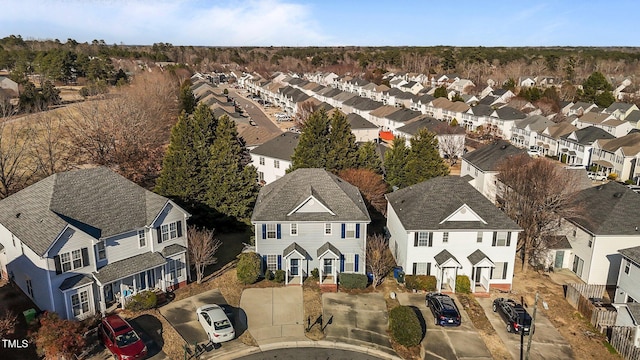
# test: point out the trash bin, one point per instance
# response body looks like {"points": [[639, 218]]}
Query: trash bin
{"points": [[400, 277], [29, 315], [396, 272]]}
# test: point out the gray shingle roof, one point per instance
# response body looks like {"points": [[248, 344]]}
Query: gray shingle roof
{"points": [[403, 115], [424, 206], [295, 247], [509, 113], [358, 122], [173, 249], [435, 126], [489, 156], [609, 209], [328, 247], [632, 254], [280, 197], [130, 266], [587, 135], [477, 256], [75, 281], [443, 256], [558, 242], [482, 109], [98, 201], [280, 147]]}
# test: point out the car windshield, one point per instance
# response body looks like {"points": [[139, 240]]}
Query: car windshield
{"points": [[127, 339], [221, 324]]}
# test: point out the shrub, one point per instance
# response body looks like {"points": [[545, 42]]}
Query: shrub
{"points": [[404, 326], [612, 176], [463, 284], [420, 282], [315, 273], [269, 275], [279, 277], [58, 338], [249, 267], [353, 281], [144, 300]]}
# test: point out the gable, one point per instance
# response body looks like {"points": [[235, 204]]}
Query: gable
{"points": [[311, 205], [463, 213]]}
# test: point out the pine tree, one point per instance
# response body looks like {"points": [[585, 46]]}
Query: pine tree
{"points": [[424, 161], [187, 101], [367, 157], [342, 151], [394, 162], [232, 187], [311, 151]]}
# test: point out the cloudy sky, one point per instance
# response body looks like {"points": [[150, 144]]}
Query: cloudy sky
{"points": [[326, 22]]}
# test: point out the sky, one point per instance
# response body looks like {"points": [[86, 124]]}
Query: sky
{"points": [[326, 22]]}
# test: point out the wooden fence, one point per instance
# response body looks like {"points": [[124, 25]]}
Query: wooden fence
{"points": [[579, 295], [621, 338]]}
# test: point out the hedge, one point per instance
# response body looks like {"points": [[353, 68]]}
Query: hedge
{"points": [[420, 282], [249, 267], [353, 281], [279, 276], [463, 284], [143, 300], [404, 326]]}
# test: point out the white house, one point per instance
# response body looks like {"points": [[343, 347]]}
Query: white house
{"points": [[444, 227], [80, 241], [273, 158], [619, 156], [450, 138], [311, 219], [525, 133], [628, 287], [576, 147], [362, 129]]}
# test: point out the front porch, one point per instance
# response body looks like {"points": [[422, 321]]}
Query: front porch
{"points": [[296, 264]]}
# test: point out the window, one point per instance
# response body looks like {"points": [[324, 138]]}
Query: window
{"points": [[578, 264], [142, 239], [272, 262], [65, 260], [590, 242], [501, 238], [29, 288], [276, 164], [271, 231], [175, 268], [170, 231], [261, 160], [627, 266], [500, 271], [445, 237], [80, 303], [349, 262], [77, 258], [574, 232], [423, 238], [479, 238], [422, 268], [350, 231], [102, 252], [294, 229], [327, 228], [260, 176]]}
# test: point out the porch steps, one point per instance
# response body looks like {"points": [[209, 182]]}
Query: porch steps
{"points": [[328, 288]]}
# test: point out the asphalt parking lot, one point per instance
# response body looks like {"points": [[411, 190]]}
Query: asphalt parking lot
{"points": [[547, 343], [461, 342]]}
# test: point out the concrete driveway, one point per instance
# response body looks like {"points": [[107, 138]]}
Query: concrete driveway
{"points": [[357, 319], [462, 342], [274, 314], [547, 343], [182, 316]]}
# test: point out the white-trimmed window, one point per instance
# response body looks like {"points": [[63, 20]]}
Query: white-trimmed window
{"points": [[349, 262], [445, 237], [102, 251], [80, 303], [260, 176], [500, 271], [627, 267], [424, 238], [327, 228], [169, 231], [142, 239], [479, 237], [261, 160], [65, 261], [271, 231], [501, 238], [272, 262], [350, 231], [175, 268], [276, 164], [29, 287], [422, 268], [77, 258], [294, 229], [590, 241]]}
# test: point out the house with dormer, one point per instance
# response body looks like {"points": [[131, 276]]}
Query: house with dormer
{"points": [[628, 286], [619, 156], [524, 133], [311, 219], [548, 139], [621, 110], [78, 242], [606, 122], [444, 227], [575, 148], [450, 138]]}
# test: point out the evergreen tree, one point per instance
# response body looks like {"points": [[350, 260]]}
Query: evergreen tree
{"points": [[367, 157], [50, 95], [342, 151], [394, 162], [187, 101], [312, 148], [440, 92], [232, 187], [424, 161]]}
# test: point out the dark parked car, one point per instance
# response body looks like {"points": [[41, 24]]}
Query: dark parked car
{"points": [[513, 314], [444, 309], [120, 338]]}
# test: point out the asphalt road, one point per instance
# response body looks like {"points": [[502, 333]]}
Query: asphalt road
{"points": [[254, 110], [309, 354]]}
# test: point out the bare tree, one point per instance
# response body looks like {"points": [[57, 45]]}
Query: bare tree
{"points": [[450, 141], [305, 109], [370, 184], [50, 150], [379, 258], [8, 322], [15, 169], [202, 249], [536, 194]]}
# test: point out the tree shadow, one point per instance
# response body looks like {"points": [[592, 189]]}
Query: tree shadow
{"points": [[238, 318], [423, 323], [150, 330]]}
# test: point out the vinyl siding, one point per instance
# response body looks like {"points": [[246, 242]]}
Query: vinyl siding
{"points": [[169, 214], [628, 284], [399, 236]]}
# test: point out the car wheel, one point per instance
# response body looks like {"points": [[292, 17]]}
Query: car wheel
{"points": [[509, 328], [495, 308]]}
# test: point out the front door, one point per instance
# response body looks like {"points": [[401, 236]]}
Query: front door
{"points": [[559, 259], [295, 265], [108, 293], [478, 273]]}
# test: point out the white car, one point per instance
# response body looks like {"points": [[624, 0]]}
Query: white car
{"points": [[597, 176], [533, 151], [215, 323]]}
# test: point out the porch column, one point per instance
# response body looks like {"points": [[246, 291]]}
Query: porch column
{"points": [[474, 274], [439, 284], [135, 287], [121, 296], [286, 271], [163, 285], [488, 280], [103, 304], [320, 269]]}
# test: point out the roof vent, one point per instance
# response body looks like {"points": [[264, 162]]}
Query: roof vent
{"points": [[18, 215], [617, 195], [503, 147]]}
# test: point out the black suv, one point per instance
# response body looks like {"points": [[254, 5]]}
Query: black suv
{"points": [[513, 314], [444, 309]]}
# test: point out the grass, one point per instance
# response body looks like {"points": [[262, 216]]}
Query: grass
{"points": [[312, 300], [609, 347]]}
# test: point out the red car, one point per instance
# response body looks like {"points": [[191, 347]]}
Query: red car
{"points": [[120, 338]]}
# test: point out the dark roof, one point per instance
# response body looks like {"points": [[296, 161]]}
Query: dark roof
{"points": [[328, 247], [558, 242], [277, 199], [173, 249], [75, 281], [632, 254], [589, 134], [97, 201], [433, 125], [359, 82], [487, 100], [362, 103], [476, 257], [403, 115], [609, 209], [358, 122], [489, 156], [618, 106], [280, 147], [499, 92], [634, 309], [295, 247], [443, 256], [426, 205], [130, 266], [482, 109], [509, 113]]}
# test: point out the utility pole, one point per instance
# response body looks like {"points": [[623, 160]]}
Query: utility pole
{"points": [[533, 324], [522, 328]]}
